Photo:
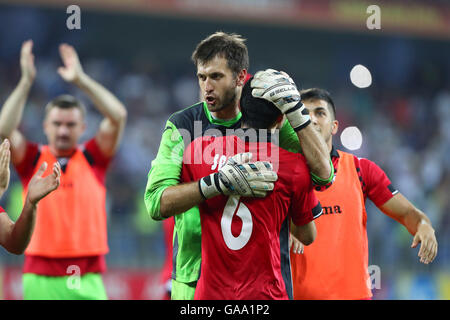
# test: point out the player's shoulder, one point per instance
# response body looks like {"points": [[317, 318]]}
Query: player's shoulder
{"points": [[292, 161], [184, 119], [93, 153], [362, 164]]}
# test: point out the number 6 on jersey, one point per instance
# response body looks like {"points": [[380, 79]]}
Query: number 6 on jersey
{"points": [[232, 207]]}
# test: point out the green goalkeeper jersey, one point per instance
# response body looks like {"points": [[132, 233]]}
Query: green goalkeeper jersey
{"points": [[180, 130]]}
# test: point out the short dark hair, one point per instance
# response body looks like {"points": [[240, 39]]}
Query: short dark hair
{"points": [[65, 101], [225, 45], [319, 94], [257, 113]]}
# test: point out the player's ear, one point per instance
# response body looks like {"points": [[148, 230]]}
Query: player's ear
{"points": [[334, 127], [45, 125], [280, 121], [242, 76]]}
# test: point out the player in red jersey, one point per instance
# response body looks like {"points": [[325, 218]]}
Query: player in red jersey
{"points": [[241, 235]]}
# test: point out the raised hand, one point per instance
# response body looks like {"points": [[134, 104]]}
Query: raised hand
{"points": [[72, 70], [27, 62], [39, 187], [5, 155], [279, 88]]}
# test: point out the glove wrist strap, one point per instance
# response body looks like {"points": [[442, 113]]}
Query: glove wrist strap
{"points": [[209, 186], [298, 117]]}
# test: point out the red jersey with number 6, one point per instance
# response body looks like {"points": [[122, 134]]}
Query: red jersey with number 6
{"points": [[241, 236]]}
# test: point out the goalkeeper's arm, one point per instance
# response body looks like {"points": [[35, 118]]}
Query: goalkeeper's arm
{"points": [[278, 88], [235, 178], [180, 198]]}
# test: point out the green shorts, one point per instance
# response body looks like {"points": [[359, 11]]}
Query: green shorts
{"points": [[86, 287], [183, 291]]}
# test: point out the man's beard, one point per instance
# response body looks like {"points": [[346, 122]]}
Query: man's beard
{"points": [[64, 144], [229, 99]]}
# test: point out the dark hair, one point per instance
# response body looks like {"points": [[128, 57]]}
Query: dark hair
{"points": [[65, 101], [319, 94], [257, 113], [228, 46]]}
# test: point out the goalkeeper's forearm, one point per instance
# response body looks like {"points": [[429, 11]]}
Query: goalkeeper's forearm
{"points": [[180, 198], [316, 153], [314, 147]]}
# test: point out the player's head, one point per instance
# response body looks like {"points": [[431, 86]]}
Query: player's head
{"points": [[322, 112], [64, 122], [222, 62], [258, 113]]}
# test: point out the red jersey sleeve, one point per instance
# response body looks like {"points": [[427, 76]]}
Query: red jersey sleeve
{"points": [[1, 209], [374, 181], [26, 167], [305, 206], [98, 161]]}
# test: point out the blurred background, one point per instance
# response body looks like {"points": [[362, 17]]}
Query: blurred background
{"points": [[140, 50]]}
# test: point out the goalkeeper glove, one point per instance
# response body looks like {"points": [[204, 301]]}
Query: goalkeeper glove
{"points": [[278, 88], [240, 177]]}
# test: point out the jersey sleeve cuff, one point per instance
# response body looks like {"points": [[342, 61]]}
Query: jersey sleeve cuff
{"points": [[385, 196], [317, 181], [308, 217]]}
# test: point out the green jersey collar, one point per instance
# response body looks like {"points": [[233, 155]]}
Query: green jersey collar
{"points": [[225, 123]]}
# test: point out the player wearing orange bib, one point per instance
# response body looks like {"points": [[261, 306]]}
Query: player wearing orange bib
{"points": [[335, 266], [15, 237], [70, 235]]}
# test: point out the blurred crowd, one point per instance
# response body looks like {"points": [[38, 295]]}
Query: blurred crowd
{"points": [[135, 240], [406, 132]]}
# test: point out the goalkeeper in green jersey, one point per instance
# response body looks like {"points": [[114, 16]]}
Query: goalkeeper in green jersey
{"points": [[222, 63]]}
